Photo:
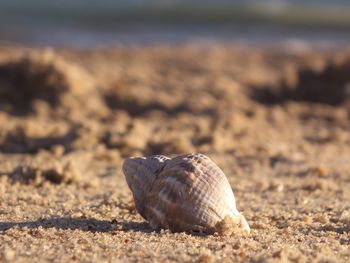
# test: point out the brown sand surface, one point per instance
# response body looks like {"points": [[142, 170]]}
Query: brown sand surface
{"points": [[276, 121]]}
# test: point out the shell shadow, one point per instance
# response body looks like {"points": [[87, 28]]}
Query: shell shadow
{"points": [[144, 227], [84, 224], [134, 226]]}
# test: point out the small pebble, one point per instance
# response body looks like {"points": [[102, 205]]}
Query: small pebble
{"points": [[206, 256], [9, 254], [319, 171], [323, 218], [307, 219], [58, 150]]}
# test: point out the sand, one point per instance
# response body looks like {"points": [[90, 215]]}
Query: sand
{"points": [[275, 120]]}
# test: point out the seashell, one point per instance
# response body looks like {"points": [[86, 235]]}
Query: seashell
{"points": [[186, 193]]}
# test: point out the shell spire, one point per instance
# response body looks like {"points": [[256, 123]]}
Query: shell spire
{"points": [[185, 193]]}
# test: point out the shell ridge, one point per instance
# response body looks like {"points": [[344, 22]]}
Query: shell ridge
{"points": [[184, 193]]}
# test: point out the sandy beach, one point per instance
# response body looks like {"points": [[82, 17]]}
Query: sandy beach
{"points": [[275, 120]]}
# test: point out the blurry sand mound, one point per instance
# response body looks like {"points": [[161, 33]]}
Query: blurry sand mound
{"points": [[55, 167], [146, 107], [58, 94], [328, 84], [276, 123], [45, 76]]}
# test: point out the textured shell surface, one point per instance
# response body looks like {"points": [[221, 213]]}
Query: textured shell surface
{"points": [[140, 174], [185, 193]]}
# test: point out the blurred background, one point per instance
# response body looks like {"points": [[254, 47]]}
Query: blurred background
{"points": [[86, 23], [262, 87]]}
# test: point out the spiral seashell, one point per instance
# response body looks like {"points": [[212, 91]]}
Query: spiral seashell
{"points": [[186, 193]]}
